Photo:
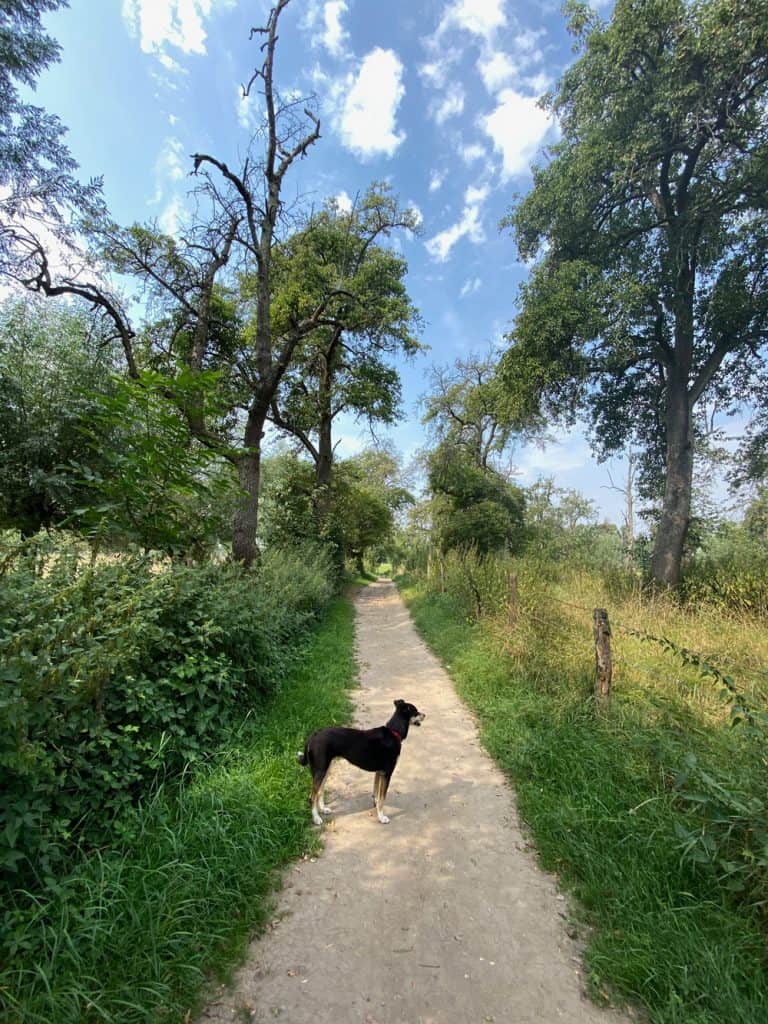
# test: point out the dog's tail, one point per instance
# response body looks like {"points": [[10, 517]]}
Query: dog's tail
{"points": [[301, 757]]}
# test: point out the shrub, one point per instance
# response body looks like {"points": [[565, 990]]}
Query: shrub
{"points": [[118, 671], [730, 571]]}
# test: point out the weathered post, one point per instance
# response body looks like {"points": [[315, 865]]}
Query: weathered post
{"points": [[512, 594], [603, 661]]}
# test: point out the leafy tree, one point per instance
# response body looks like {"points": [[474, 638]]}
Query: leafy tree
{"points": [[53, 367], [37, 184], [342, 366], [472, 506], [650, 224], [366, 493], [467, 407], [152, 484]]}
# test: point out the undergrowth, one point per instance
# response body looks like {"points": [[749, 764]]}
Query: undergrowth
{"points": [[619, 804], [120, 671], [133, 931]]}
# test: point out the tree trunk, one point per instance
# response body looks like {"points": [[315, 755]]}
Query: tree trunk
{"points": [[676, 510], [244, 548]]}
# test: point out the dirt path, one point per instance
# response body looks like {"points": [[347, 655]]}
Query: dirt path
{"points": [[440, 917]]}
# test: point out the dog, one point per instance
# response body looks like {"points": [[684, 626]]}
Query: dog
{"points": [[373, 750]]}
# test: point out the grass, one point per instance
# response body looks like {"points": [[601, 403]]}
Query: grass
{"points": [[135, 931], [598, 791]]}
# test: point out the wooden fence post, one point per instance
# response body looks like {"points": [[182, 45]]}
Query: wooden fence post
{"points": [[512, 594], [603, 661]]}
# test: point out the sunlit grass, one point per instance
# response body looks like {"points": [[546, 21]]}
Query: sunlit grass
{"points": [[598, 791]]}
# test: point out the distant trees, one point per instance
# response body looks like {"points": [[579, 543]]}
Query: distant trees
{"points": [[650, 227], [366, 493], [472, 504]]}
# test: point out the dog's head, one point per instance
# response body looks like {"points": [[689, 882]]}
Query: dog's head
{"points": [[412, 713]]}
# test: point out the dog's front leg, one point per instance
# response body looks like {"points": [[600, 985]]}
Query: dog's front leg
{"points": [[318, 783], [380, 787]]}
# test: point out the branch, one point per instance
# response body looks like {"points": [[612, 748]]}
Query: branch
{"points": [[42, 283], [291, 428]]}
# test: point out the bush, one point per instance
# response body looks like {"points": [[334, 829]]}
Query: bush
{"points": [[118, 671], [730, 571]]}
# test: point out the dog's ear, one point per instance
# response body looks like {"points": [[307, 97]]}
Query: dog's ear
{"points": [[399, 703]]}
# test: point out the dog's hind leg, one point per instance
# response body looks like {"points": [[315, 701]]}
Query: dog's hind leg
{"points": [[380, 787]]}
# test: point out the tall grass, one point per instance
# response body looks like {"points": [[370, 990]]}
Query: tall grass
{"points": [[134, 931], [602, 793]]}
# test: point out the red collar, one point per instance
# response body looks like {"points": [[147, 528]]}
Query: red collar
{"points": [[396, 734]]}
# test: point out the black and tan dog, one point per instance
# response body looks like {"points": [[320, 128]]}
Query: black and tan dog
{"points": [[373, 750]]}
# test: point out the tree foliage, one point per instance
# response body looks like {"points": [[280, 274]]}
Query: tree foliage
{"points": [[53, 368], [650, 225], [345, 365], [472, 506], [468, 406], [37, 184]]}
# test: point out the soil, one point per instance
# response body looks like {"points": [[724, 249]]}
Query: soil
{"points": [[441, 916]]}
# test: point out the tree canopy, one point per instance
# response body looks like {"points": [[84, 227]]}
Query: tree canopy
{"points": [[650, 230]]}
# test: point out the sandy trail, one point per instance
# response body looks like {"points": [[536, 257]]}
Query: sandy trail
{"points": [[440, 917]]}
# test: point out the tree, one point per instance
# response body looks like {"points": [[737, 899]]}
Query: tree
{"points": [[37, 184], [467, 407], [650, 225], [53, 368], [365, 493], [342, 366], [472, 506], [191, 279], [145, 480]]}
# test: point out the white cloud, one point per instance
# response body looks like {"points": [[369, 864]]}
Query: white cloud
{"points": [[171, 167], [171, 160], [496, 69], [472, 152], [417, 212], [468, 226], [335, 34], [470, 286], [248, 111], [517, 127], [452, 105], [436, 180], [176, 23], [480, 17], [171, 218], [343, 202], [476, 194], [367, 105], [441, 69]]}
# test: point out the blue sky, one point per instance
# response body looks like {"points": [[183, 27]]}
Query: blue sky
{"points": [[438, 97]]}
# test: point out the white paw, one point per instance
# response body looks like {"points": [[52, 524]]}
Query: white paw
{"points": [[317, 819], [383, 819]]}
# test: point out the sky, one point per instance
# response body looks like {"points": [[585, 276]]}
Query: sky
{"points": [[437, 97]]}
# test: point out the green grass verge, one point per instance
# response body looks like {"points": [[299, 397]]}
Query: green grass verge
{"points": [[595, 792], [133, 932]]}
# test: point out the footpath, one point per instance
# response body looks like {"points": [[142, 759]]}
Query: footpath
{"points": [[440, 917]]}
